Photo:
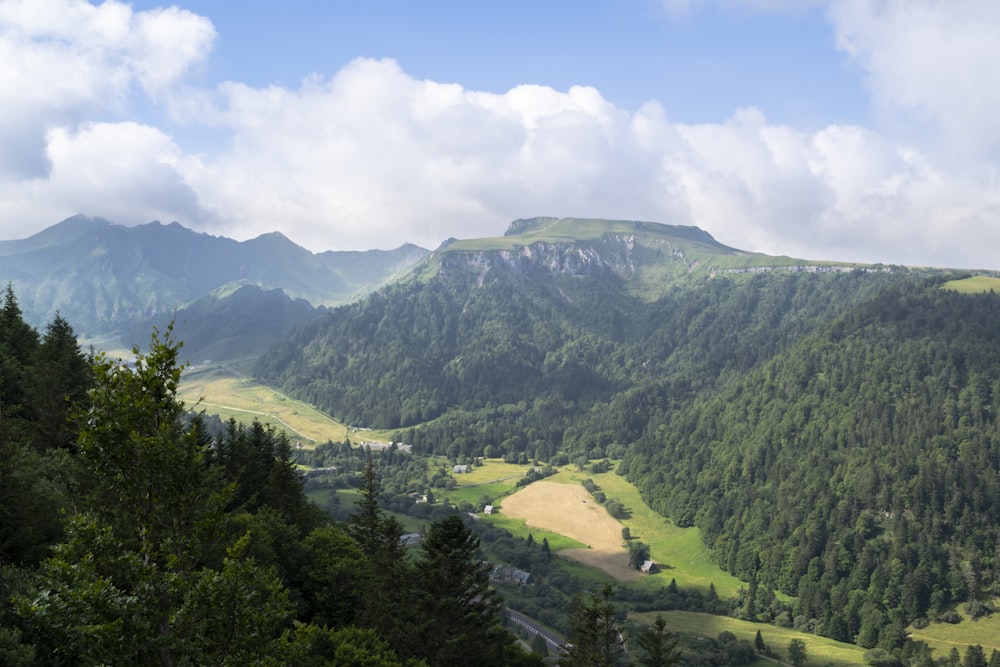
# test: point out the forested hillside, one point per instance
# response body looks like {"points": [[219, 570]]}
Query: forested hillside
{"points": [[857, 470], [833, 434]]}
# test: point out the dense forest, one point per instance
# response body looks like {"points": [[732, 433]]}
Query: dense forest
{"points": [[131, 536], [857, 471], [834, 435]]}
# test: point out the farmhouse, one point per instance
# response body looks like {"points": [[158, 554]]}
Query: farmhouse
{"points": [[648, 567], [513, 575], [460, 469]]}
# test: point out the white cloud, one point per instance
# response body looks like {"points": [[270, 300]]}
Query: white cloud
{"points": [[64, 61], [372, 157], [120, 171], [933, 67]]}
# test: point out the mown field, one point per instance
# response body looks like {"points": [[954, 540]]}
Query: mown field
{"points": [[219, 391], [679, 551]]}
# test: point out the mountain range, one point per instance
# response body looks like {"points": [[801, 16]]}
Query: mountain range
{"points": [[113, 282]]}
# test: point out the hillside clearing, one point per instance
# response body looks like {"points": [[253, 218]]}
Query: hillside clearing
{"points": [[974, 285], [226, 394], [820, 650], [569, 510]]}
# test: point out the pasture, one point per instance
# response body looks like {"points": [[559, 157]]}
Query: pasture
{"points": [[942, 637], [820, 650], [569, 510], [679, 551], [974, 285], [218, 391]]}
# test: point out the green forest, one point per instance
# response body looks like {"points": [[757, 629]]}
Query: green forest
{"points": [[833, 435], [129, 535]]}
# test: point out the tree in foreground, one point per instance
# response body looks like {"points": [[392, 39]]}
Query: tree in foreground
{"points": [[797, 652], [595, 640], [378, 534], [658, 645], [975, 656], [142, 576], [460, 616]]}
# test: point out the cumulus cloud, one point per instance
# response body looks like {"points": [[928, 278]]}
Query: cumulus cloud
{"points": [[932, 66], [65, 61], [373, 157]]}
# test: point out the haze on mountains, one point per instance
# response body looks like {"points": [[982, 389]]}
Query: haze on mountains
{"points": [[115, 282]]}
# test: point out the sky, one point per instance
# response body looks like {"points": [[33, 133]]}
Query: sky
{"points": [[850, 130]]}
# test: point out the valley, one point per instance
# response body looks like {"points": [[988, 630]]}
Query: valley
{"points": [[806, 448]]}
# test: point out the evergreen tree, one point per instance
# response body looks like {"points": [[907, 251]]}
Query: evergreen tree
{"points": [[659, 646], [62, 378], [388, 601], [138, 579], [460, 615], [758, 643], [594, 637], [975, 657]]}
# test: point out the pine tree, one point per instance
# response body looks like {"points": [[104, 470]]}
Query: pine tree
{"points": [[659, 646], [62, 379], [387, 605], [461, 616], [594, 638], [975, 657]]}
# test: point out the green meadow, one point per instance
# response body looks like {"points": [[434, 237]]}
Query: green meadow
{"points": [[819, 650], [974, 285]]}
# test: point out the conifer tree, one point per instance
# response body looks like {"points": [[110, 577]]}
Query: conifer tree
{"points": [[138, 579], [461, 616], [387, 604], [595, 640], [658, 645]]}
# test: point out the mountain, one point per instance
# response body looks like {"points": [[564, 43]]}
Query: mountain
{"points": [[227, 323], [833, 430], [104, 277], [576, 309]]}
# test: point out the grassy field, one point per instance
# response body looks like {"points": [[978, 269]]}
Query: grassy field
{"points": [[679, 550], [569, 510], [942, 637], [819, 650], [974, 285], [219, 391]]}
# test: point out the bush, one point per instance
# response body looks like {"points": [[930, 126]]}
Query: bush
{"points": [[950, 616]]}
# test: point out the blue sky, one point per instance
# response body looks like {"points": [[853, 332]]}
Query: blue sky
{"points": [[849, 130]]}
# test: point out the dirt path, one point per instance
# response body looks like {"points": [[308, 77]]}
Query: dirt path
{"points": [[569, 510]]}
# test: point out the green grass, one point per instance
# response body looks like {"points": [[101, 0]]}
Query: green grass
{"points": [[819, 650], [680, 550], [220, 391], [974, 285], [942, 637], [519, 528]]}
